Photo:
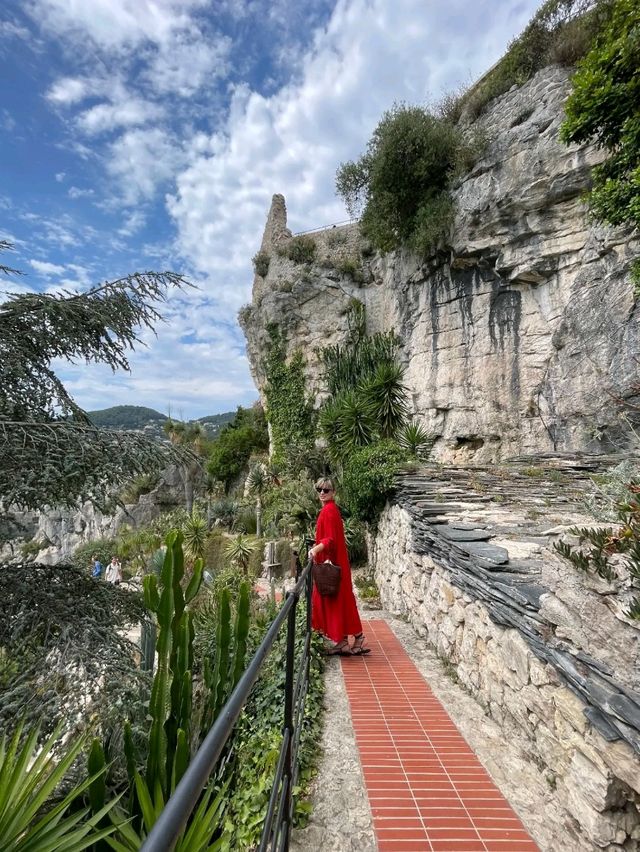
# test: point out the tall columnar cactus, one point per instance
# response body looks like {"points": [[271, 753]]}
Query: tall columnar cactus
{"points": [[171, 698], [230, 653], [172, 720]]}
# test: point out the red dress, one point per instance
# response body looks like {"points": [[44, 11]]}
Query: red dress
{"points": [[336, 617]]}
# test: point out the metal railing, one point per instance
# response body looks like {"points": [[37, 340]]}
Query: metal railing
{"points": [[326, 227], [277, 824]]}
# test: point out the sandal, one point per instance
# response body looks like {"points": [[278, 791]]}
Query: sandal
{"points": [[340, 649], [358, 649]]}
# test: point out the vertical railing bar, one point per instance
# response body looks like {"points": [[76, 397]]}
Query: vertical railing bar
{"points": [[288, 717], [273, 798], [280, 817]]}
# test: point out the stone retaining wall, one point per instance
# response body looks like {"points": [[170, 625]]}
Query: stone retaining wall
{"points": [[596, 779]]}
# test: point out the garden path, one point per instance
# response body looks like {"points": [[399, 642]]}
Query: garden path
{"points": [[346, 815], [427, 790]]}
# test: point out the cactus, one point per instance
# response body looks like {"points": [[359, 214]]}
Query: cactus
{"points": [[171, 696]]}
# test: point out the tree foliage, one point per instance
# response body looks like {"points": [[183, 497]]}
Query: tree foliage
{"points": [[63, 642], [50, 453], [230, 452], [400, 184], [604, 107]]}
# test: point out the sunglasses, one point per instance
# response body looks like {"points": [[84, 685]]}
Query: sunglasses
{"points": [[324, 490]]}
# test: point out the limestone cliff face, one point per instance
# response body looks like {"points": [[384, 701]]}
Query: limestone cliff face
{"points": [[524, 335]]}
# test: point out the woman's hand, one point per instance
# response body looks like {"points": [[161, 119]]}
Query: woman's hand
{"points": [[317, 548]]}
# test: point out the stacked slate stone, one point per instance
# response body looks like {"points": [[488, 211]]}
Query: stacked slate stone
{"points": [[509, 588]]}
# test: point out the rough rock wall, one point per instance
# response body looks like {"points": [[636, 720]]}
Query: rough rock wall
{"points": [[535, 679], [62, 530], [524, 335]]}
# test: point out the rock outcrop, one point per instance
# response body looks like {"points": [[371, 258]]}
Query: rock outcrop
{"points": [[60, 531], [523, 336]]}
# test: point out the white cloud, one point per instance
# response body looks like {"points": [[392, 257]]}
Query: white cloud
{"points": [[142, 160], [115, 24], [60, 176], [187, 63], [70, 90], [372, 53], [9, 29], [126, 113], [43, 267], [132, 223], [75, 192]]}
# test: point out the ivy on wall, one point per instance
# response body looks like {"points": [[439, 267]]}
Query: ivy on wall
{"points": [[289, 410]]}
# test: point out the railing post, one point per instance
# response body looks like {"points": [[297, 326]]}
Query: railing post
{"points": [[288, 725]]}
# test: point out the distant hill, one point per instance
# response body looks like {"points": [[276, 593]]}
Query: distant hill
{"points": [[126, 417], [138, 418]]}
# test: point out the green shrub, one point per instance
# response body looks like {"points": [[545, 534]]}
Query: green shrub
{"points": [[300, 249], [368, 398], [336, 237], [258, 737], [351, 268], [560, 31], [354, 533], [244, 315], [261, 262], [33, 547], [368, 479], [103, 548], [231, 450], [224, 512], [604, 107], [416, 440], [142, 484], [400, 180]]}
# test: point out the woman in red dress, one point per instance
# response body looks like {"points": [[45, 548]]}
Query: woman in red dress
{"points": [[337, 617]]}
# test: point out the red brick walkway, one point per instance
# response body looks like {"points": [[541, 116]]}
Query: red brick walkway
{"points": [[427, 790]]}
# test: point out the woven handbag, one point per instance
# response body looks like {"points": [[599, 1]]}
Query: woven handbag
{"points": [[326, 576]]}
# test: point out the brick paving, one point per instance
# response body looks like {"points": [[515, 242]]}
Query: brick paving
{"points": [[427, 789]]}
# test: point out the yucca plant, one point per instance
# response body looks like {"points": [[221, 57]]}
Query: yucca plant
{"points": [[239, 551], [385, 398], [194, 532], [29, 775], [258, 481], [196, 837], [356, 426], [414, 438]]}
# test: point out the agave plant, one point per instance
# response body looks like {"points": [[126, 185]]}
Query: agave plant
{"points": [[29, 775], [417, 440]]}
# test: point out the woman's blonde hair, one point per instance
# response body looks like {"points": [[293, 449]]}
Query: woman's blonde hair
{"points": [[324, 482]]}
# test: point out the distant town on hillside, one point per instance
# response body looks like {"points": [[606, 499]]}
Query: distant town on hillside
{"points": [[139, 418]]}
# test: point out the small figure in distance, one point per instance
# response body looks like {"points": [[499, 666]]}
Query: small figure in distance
{"points": [[113, 573], [97, 567], [336, 617]]}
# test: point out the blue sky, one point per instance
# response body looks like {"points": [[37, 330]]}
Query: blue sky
{"points": [[151, 134]]}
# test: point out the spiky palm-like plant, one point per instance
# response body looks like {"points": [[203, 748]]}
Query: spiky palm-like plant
{"points": [[417, 440], [354, 425], [194, 532], [239, 552], [386, 398]]}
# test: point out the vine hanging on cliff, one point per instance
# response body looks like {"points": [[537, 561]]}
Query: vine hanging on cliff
{"points": [[289, 410]]}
